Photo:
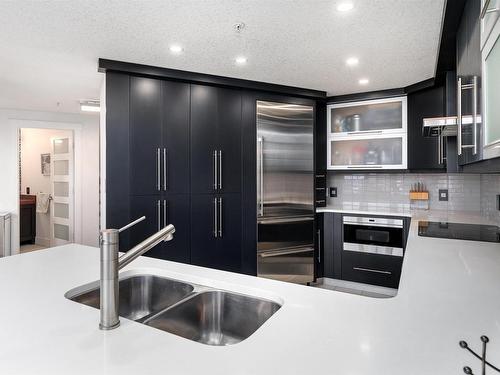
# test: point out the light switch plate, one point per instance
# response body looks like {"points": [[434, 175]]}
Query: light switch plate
{"points": [[443, 195], [333, 192]]}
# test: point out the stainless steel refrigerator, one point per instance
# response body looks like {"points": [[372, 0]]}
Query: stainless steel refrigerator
{"points": [[285, 191]]}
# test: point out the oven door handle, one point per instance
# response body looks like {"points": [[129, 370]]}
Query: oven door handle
{"points": [[285, 220], [275, 253]]}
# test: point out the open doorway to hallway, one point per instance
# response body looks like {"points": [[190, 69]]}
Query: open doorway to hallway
{"points": [[46, 181]]}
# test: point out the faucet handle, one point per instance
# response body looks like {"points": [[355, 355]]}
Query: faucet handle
{"points": [[131, 224]]}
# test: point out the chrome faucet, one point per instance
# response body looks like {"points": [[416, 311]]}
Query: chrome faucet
{"points": [[111, 263]]}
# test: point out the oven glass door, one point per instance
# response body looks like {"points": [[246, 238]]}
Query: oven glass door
{"points": [[373, 235]]}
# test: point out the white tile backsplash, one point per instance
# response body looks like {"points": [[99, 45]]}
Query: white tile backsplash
{"points": [[466, 192]]}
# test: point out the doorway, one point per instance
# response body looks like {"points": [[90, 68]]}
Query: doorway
{"points": [[46, 188]]}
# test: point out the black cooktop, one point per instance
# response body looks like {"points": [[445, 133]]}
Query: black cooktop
{"points": [[459, 231]]}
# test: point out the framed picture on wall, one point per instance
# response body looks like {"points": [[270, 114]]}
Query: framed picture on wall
{"points": [[45, 159]]}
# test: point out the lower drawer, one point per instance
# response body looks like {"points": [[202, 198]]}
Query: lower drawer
{"points": [[374, 269]]}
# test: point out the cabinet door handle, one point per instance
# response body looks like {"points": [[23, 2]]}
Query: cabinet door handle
{"points": [[158, 218], [220, 217], [158, 171], [371, 270], [474, 114], [220, 170], [165, 215], [215, 218], [319, 246], [214, 164], [365, 132], [165, 169]]}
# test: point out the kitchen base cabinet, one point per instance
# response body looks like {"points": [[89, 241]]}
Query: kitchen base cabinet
{"points": [[161, 211], [374, 269], [216, 231]]}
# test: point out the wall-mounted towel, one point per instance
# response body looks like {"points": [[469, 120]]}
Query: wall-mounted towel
{"points": [[42, 203]]}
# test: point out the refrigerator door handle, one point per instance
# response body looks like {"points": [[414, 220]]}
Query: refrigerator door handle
{"points": [[260, 142]]}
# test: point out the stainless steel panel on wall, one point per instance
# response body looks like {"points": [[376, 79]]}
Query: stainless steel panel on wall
{"points": [[285, 165]]}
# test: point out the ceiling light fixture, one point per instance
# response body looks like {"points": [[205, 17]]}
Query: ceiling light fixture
{"points": [[352, 61], [176, 49], [241, 60], [364, 81], [345, 6], [90, 106]]}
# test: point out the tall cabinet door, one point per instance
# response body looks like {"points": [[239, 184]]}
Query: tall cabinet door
{"points": [[228, 252], [151, 207], [203, 138], [175, 152], [145, 136], [203, 230], [229, 140], [161, 211], [175, 211]]}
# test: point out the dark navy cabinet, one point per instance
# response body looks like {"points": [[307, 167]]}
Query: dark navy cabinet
{"points": [[216, 231], [215, 140]]}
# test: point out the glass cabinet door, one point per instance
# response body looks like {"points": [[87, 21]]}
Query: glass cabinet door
{"points": [[368, 117], [490, 11], [368, 153], [491, 84]]}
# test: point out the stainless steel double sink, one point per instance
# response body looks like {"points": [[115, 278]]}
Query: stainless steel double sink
{"points": [[196, 312]]}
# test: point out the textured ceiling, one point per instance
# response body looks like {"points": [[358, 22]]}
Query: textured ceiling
{"points": [[49, 49]]}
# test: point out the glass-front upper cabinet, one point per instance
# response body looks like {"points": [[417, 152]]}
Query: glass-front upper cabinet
{"points": [[491, 81], [370, 134], [370, 116], [490, 12], [381, 152]]}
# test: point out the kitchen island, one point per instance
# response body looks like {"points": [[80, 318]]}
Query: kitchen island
{"points": [[449, 291]]}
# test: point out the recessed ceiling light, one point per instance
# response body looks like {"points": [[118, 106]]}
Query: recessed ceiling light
{"points": [[364, 81], [345, 6], [90, 106], [352, 61], [241, 60], [175, 48]]}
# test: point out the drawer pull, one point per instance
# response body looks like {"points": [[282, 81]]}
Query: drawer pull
{"points": [[371, 270]]}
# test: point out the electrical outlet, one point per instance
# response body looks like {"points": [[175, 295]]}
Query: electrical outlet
{"points": [[443, 195], [333, 192]]}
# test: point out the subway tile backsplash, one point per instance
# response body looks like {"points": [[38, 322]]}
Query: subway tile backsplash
{"points": [[386, 191]]}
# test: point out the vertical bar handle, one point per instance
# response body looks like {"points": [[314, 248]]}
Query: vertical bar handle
{"points": [[215, 218], [260, 142], [165, 169], [165, 208], [158, 167], [214, 164], [319, 245], [459, 115], [439, 148], [220, 170], [158, 218], [474, 114], [220, 217]]}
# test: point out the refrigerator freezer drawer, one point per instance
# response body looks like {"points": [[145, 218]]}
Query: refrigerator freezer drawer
{"points": [[294, 265], [286, 249]]}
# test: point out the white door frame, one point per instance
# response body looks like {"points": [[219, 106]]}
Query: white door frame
{"points": [[78, 163]]}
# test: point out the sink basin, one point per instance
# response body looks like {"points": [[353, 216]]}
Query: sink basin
{"points": [[140, 295], [215, 317]]}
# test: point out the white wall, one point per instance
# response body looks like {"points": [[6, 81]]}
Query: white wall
{"points": [[86, 129], [35, 142]]}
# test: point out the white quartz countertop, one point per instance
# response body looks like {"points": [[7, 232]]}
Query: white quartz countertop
{"points": [[450, 290]]}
